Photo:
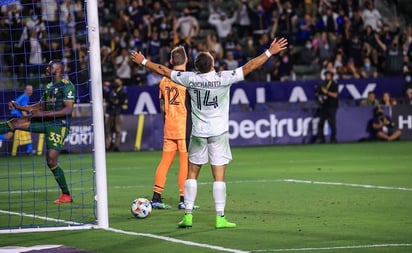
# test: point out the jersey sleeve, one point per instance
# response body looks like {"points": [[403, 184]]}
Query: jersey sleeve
{"points": [[234, 76], [22, 100], [180, 77]]}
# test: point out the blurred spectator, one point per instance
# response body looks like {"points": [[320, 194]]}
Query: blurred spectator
{"points": [[120, 5], [408, 100], [383, 126], [325, 45], [349, 71], [230, 61], [371, 16], [306, 29], [387, 35], [222, 24], [123, 23], [49, 14], [408, 80], [153, 47], [135, 11], [139, 75], [107, 62], [387, 100], [339, 60], [122, 67], [307, 56], [310, 7], [368, 37], [260, 24], [283, 70], [356, 22], [135, 41], [406, 64], [355, 49], [152, 78], [67, 17], [195, 8], [116, 101], [245, 16], [329, 67], [368, 70], [213, 44], [370, 100], [35, 57], [329, 19], [186, 26], [286, 22], [393, 58], [159, 10]]}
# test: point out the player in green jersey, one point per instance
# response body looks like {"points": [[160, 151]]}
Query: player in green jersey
{"points": [[51, 116]]}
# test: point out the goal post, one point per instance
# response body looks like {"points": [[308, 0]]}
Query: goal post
{"points": [[27, 186], [98, 120]]}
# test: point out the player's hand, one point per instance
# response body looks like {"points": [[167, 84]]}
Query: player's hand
{"points": [[137, 57], [12, 105], [278, 45]]}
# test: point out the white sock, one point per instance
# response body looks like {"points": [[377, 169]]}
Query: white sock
{"points": [[190, 194], [219, 195]]}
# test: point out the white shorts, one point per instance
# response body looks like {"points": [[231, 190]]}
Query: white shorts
{"points": [[216, 148]]}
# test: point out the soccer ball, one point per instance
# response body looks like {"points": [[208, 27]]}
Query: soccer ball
{"points": [[141, 208]]}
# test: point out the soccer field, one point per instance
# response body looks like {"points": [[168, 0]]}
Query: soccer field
{"points": [[300, 198]]}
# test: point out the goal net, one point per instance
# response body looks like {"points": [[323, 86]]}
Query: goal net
{"points": [[33, 33]]}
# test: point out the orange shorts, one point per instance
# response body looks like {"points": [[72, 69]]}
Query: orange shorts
{"points": [[170, 145]]}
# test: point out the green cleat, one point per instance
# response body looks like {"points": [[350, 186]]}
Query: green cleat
{"points": [[186, 221], [221, 222]]}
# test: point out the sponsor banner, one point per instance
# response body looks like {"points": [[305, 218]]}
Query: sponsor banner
{"points": [[145, 100], [402, 115], [293, 126]]}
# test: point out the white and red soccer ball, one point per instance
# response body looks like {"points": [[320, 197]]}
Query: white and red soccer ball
{"points": [[141, 208]]}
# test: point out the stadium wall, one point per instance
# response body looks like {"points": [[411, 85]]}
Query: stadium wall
{"points": [[247, 128]]}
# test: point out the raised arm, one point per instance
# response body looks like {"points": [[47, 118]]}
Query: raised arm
{"points": [[158, 68], [275, 47], [27, 108]]}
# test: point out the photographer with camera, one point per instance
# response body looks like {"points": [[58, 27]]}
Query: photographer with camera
{"points": [[383, 126], [116, 101], [327, 96]]}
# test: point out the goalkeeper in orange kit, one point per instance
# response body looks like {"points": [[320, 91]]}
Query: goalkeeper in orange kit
{"points": [[175, 104]]}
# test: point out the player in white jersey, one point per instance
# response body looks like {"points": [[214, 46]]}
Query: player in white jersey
{"points": [[209, 92]]}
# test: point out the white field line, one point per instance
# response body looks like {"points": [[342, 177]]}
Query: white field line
{"points": [[338, 247], [366, 186], [170, 239], [40, 217], [202, 245], [164, 238], [348, 184]]}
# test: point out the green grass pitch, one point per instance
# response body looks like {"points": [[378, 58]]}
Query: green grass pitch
{"points": [[353, 197]]}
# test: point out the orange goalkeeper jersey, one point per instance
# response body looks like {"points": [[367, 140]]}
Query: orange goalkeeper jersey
{"points": [[176, 101]]}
